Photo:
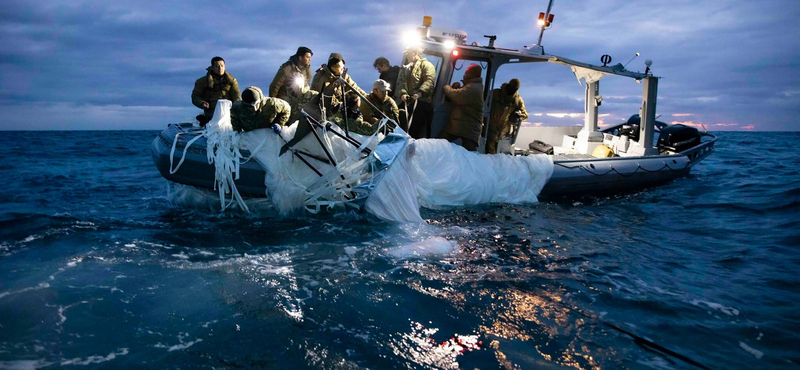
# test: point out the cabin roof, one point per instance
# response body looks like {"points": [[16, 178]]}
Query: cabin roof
{"points": [[528, 57]]}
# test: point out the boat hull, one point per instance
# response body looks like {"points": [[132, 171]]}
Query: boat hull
{"points": [[571, 176], [195, 169], [602, 176]]}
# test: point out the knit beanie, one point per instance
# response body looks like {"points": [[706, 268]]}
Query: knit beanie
{"points": [[472, 71], [335, 58], [512, 87]]}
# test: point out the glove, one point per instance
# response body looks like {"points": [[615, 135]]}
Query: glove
{"points": [[276, 128]]}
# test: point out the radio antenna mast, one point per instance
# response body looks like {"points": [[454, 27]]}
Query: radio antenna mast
{"points": [[545, 23]]}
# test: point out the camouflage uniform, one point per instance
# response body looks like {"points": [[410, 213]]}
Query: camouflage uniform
{"points": [[356, 125], [503, 107], [327, 83], [285, 75], [387, 106], [466, 117], [268, 112]]}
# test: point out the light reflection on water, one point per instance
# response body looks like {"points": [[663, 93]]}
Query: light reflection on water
{"points": [[106, 272]]}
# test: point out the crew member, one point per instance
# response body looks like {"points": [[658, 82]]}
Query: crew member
{"points": [[379, 97], [298, 96], [388, 73], [326, 81], [466, 117], [349, 114], [256, 111], [508, 110], [415, 89], [298, 64], [215, 85]]}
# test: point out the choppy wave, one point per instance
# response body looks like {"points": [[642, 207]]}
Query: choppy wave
{"points": [[101, 264]]}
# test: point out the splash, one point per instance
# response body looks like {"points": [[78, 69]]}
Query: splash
{"points": [[428, 247]]}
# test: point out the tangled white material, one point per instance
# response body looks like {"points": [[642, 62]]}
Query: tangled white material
{"points": [[427, 173], [223, 151], [293, 186]]}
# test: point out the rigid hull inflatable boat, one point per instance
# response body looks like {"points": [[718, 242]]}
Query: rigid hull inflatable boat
{"points": [[587, 160]]}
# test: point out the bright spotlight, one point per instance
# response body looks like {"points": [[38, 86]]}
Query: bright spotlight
{"points": [[449, 44], [411, 38], [299, 81]]}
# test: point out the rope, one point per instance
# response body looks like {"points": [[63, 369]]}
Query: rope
{"points": [[185, 149], [413, 109]]}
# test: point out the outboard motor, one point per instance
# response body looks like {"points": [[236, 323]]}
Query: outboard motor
{"points": [[677, 138], [631, 128]]}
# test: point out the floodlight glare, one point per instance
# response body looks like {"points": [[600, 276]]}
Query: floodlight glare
{"points": [[411, 38]]}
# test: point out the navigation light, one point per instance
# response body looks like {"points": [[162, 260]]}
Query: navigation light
{"points": [[449, 44], [545, 22]]}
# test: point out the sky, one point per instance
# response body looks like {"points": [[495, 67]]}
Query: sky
{"points": [[128, 65]]}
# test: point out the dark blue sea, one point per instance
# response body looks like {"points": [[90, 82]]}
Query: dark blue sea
{"points": [[101, 268]]}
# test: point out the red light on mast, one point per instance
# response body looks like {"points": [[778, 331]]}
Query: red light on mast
{"points": [[455, 52]]}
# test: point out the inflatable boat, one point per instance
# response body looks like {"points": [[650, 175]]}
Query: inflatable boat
{"points": [[587, 159]]}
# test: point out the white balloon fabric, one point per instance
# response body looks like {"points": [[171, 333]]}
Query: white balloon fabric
{"points": [[435, 173], [431, 173]]}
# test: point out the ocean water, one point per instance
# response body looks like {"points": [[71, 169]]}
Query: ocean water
{"points": [[101, 267]]}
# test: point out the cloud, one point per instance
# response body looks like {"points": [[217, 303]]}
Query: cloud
{"points": [[724, 61], [687, 123]]}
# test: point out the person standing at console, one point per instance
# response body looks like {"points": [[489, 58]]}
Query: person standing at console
{"points": [[215, 85], [466, 117], [415, 89], [388, 73], [508, 109]]}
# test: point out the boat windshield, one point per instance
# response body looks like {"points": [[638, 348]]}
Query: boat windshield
{"points": [[461, 66], [436, 60]]}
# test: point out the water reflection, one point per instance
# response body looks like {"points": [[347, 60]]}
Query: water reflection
{"points": [[517, 306], [419, 346]]}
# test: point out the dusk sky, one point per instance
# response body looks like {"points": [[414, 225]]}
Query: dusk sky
{"points": [[78, 65]]}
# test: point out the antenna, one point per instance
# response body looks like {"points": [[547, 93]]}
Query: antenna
{"points": [[546, 20], [629, 62]]}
